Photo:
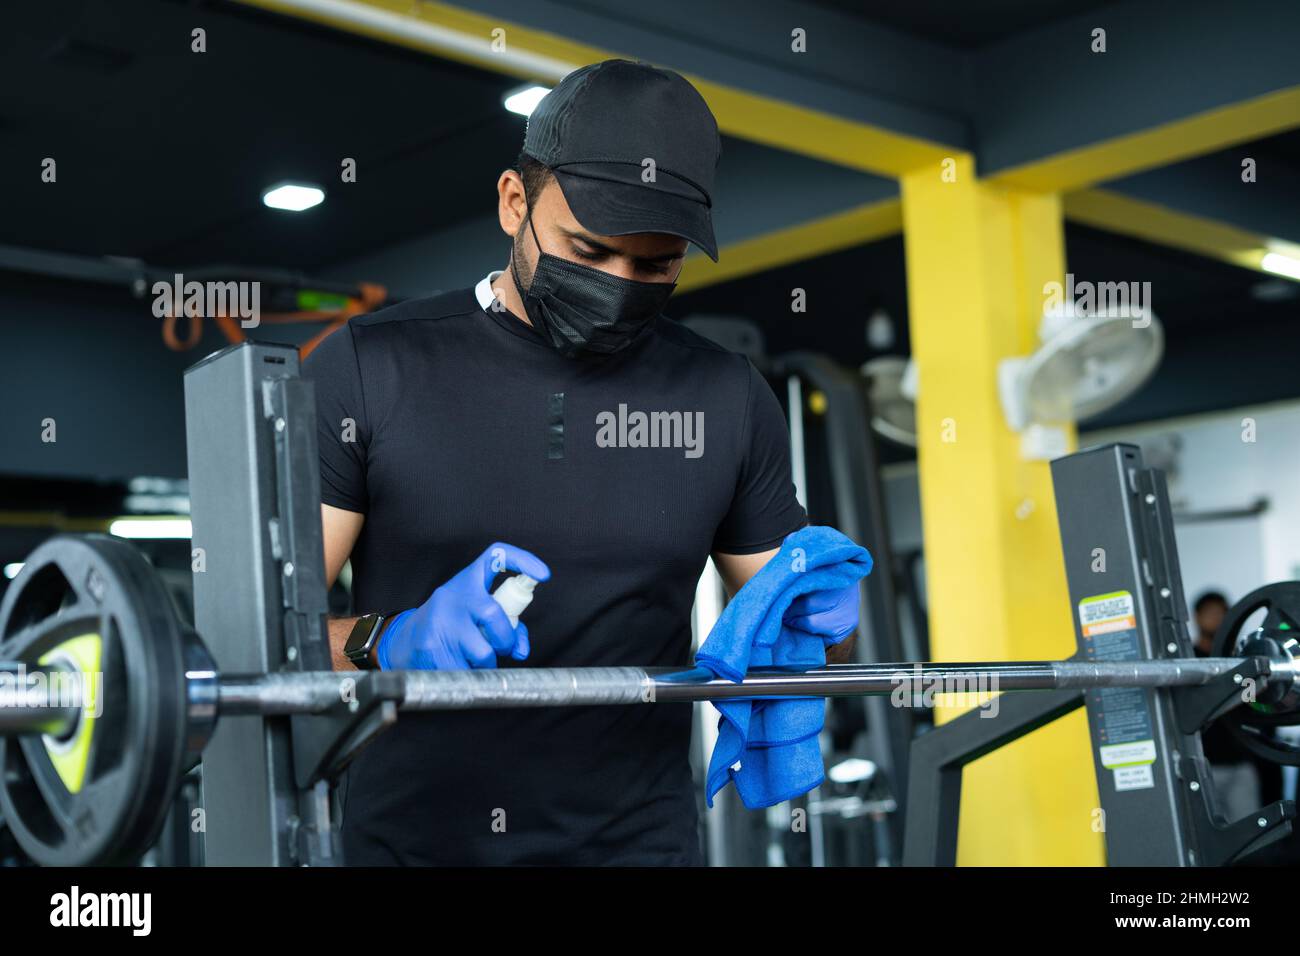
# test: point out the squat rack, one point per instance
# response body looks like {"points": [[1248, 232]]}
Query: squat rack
{"points": [[260, 603]]}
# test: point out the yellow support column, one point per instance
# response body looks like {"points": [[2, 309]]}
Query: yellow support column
{"points": [[978, 257]]}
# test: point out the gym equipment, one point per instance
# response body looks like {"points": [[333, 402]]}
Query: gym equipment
{"points": [[93, 780], [115, 697], [1278, 635], [852, 500], [160, 697], [1157, 794]]}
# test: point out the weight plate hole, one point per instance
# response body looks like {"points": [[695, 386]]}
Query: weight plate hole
{"points": [[46, 593]]}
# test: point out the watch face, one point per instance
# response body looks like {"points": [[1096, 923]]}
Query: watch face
{"points": [[359, 640]]}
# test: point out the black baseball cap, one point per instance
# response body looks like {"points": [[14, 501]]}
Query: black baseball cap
{"points": [[597, 128]]}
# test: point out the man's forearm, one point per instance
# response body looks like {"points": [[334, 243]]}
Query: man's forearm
{"points": [[340, 628]]}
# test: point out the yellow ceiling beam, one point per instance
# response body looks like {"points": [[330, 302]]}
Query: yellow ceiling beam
{"points": [[842, 230], [529, 54], [1160, 145], [1099, 208], [1164, 226], [448, 32], [798, 129]]}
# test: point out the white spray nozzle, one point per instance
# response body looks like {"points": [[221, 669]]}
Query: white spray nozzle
{"points": [[515, 594]]}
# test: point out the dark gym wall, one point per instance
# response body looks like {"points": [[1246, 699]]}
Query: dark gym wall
{"points": [[91, 358]]}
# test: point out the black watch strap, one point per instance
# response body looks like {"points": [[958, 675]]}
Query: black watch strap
{"points": [[365, 634]]}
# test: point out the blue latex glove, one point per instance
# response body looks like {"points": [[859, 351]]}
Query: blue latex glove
{"points": [[461, 626], [831, 615]]}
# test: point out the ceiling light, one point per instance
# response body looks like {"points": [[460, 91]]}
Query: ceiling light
{"points": [[294, 197], [151, 528], [11, 570], [1278, 264], [525, 99]]}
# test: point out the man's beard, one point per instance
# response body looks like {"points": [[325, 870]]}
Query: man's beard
{"points": [[518, 262]]}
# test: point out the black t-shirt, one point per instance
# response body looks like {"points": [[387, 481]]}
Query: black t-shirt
{"points": [[467, 428]]}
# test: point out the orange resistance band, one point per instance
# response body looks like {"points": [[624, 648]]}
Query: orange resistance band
{"points": [[370, 296]]}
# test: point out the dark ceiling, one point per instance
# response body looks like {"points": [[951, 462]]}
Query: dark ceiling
{"points": [[1284, 146], [962, 24], [162, 154]]}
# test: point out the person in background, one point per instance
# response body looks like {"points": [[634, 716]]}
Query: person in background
{"points": [[1209, 611]]}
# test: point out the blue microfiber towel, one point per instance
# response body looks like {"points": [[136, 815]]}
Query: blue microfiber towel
{"points": [[774, 739]]}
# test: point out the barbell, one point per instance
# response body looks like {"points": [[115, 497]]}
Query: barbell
{"points": [[107, 698]]}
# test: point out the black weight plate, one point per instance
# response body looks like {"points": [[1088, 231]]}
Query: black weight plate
{"points": [[1250, 725], [1282, 601], [97, 584]]}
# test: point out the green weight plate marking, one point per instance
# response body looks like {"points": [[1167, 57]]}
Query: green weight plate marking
{"points": [[71, 758]]}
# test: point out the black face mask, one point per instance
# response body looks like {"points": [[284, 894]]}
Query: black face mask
{"points": [[580, 309]]}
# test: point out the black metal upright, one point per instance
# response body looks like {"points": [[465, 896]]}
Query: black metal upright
{"points": [[1157, 795], [1158, 803], [259, 592], [860, 514]]}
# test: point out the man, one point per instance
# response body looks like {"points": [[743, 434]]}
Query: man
{"points": [[1209, 611], [497, 429]]}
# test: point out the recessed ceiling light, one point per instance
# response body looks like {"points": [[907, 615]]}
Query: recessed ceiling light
{"points": [[525, 99], [294, 197]]}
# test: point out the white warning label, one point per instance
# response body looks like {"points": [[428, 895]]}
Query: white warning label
{"points": [[1106, 613], [1134, 778], [1131, 764], [1124, 755]]}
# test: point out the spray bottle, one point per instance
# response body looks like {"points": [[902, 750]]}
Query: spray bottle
{"points": [[514, 594]]}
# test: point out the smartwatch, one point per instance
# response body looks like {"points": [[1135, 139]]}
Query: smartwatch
{"points": [[362, 640]]}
